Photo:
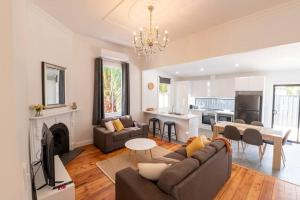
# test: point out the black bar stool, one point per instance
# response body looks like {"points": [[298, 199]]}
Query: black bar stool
{"points": [[169, 125], [154, 121]]}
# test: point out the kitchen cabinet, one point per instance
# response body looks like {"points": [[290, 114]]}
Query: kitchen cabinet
{"points": [[221, 88], [252, 83], [182, 92]]}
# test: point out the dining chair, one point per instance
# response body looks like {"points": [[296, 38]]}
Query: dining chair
{"points": [[232, 133], [257, 123], [253, 137], [240, 121], [284, 140], [212, 124]]}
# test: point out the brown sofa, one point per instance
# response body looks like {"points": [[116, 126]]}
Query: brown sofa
{"points": [[198, 177], [108, 141]]}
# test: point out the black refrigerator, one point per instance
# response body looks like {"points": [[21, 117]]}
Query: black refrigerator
{"points": [[248, 106]]}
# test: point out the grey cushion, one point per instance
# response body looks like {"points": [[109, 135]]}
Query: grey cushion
{"points": [[103, 121], [175, 156], [127, 121], [121, 135], [217, 144], [182, 151], [134, 131], [176, 173], [204, 154]]}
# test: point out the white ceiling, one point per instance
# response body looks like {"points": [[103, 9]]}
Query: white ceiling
{"points": [[285, 57], [99, 19]]}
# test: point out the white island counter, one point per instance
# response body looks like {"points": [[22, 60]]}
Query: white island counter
{"points": [[186, 124]]}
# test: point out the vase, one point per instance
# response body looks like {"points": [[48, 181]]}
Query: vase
{"points": [[38, 113]]}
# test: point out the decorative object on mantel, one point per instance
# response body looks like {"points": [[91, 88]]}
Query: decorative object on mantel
{"points": [[149, 109], [74, 105], [38, 109], [150, 86], [147, 40]]}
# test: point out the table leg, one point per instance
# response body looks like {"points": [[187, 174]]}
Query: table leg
{"points": [[216, 132], [277, 153], [151, 154]]}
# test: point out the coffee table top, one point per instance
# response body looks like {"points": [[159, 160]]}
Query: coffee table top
{"points": [[140, 144]]}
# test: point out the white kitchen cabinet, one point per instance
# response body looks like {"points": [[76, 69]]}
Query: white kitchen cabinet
{"points": [[182, 92], [221, 88], [252, 83], [199, 88]]}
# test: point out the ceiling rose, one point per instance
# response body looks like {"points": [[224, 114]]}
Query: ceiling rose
{"points": [[148, 40]]}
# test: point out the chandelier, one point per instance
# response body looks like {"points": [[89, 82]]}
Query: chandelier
{"points": [[148, 40]]}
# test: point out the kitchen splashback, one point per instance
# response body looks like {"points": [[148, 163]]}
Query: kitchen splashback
{"points": [[215, 103]]}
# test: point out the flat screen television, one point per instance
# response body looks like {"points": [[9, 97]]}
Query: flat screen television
{"points": [[47, 156]]}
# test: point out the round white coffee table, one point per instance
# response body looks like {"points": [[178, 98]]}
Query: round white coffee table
{"points": [[140, 144]]}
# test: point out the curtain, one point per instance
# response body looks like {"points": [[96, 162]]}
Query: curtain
{"points": [[125, 89], [61, 87], [98, 110]]}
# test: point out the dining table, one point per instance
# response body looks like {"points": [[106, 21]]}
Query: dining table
{"points": [[270, 134]]}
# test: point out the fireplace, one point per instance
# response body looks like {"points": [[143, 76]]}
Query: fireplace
{"points": [[61, 138]]}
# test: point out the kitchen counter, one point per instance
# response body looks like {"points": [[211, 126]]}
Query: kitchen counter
{"points": [[225, 112], [186, 125], [182, 116]]}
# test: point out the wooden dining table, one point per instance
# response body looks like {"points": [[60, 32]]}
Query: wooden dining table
{"points": [[267, 134]]}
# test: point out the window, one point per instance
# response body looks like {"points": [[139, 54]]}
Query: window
{"points": [[112, 85], [164, 94]]}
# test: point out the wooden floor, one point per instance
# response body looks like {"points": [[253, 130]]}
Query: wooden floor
{"points": [[92, 184]]}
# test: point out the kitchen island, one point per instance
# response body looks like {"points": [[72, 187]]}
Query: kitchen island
{"points": [[186, 124]]}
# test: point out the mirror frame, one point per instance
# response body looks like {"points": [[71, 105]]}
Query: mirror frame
{"points": [[46, 65]]}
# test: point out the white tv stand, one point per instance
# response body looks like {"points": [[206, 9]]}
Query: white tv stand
{"points": [[65, 190]]}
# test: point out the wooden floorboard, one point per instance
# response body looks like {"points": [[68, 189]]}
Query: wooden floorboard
{"points": [[244, 183]]}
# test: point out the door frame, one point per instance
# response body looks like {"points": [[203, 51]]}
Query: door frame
{"points": [[273, 105]]}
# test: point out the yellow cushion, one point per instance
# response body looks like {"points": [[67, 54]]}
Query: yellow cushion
{"points": [[194, 146], [118, 125]]}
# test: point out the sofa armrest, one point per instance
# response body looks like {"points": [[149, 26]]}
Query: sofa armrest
{"points": [[144, 127], [103, 138], [131, 186]]}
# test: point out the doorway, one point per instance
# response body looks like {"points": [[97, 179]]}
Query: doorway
{"points": [[286, 109]]}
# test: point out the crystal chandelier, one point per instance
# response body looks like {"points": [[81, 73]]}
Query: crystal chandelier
{"points": [[148, 40]]}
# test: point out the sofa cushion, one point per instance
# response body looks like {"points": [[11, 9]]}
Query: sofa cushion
{"points": [[152, 171], [194, 146], [175, 156], [118, 125], [182, 151], [127, 121], [103, 121], [121, 135], [134, 131], [217, 144], [110, 126], [204, 154], [176, 173]]}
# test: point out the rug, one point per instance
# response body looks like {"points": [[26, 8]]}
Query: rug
{"points": [[126, 159], [67, 157]]}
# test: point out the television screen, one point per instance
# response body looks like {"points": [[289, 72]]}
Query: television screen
{"points": [[47, 156]]}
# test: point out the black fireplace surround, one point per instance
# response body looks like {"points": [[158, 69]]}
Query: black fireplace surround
{"points": [[61, 138]]}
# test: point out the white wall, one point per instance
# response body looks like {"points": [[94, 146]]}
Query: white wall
{"points": [[150, 97], [52, 42], [11, 185]]}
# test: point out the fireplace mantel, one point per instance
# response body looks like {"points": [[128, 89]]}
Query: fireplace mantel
{"points": [[65, 116]]}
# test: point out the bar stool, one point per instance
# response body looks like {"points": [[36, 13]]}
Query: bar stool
{"points": [[154, 128], [169, 125]]}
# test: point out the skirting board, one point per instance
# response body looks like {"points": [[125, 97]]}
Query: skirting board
{"points": [[83, 143]]}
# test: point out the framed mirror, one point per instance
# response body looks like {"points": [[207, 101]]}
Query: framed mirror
{"points": [[53, 85]]}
